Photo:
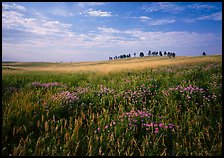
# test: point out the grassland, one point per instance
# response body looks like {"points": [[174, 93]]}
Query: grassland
{"points": [[140, 106], [105, 66]]}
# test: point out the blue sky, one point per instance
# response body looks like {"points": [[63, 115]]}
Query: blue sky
{"points": [[91, 31]]}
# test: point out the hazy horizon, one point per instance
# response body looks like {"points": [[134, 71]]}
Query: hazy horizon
{"points": [[94, 31]]}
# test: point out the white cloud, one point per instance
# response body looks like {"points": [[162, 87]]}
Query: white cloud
{"points": [[163, 6], [99, 13], [199, 6], [154, 22], [110, 37], [83, 4], [215, 16], [13, 6], [161, 22], [61, 12], [108, 30], [17, 20], [11, 19], [112, 41], [144, 18], [173, 40], [172, 7]]}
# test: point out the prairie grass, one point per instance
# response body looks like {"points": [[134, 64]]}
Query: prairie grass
{"points": [[106, 67], [160, 107]]}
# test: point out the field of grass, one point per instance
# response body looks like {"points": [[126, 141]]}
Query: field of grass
{"points": [[105, 67], [151, 106]]}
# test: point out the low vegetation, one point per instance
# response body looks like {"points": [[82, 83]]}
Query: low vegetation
{"points": [[167, 109]]}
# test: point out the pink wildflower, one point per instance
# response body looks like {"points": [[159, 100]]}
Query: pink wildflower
{"points": [[160, 125]]}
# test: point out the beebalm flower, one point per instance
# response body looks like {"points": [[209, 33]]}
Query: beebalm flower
{"points": [[50, 84], [171, 125], [189, 88], [134, 120], [160, 125]]}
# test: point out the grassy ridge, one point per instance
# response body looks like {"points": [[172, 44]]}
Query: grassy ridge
{"points": [[170, 110], [106, 67]]}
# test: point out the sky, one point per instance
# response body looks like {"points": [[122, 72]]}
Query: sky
{"points": [[92, 31]]}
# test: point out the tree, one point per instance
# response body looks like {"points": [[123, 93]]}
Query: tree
{"points": [[169, 54], [123, 56], [134, 54], [174, 55], [141, 54], [160, 53], [204, 54], [164, 53], [149, 53]]}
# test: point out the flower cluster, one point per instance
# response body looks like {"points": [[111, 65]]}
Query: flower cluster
{"points": [[189, 88], [210, 97], [144, 119], [141, 119], [104, 91], [50, 84], [141, 94], [216, 81], [66, 96]]}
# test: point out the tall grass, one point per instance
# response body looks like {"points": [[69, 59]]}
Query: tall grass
{"points": [[171, 110]]}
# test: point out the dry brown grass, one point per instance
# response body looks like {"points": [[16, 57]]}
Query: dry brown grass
{"points": [[108, 66]]}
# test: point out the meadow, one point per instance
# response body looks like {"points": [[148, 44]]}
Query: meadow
{"points": [[151, 106]]}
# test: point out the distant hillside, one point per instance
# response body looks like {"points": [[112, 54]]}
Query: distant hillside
{"points": [[108, 66]]}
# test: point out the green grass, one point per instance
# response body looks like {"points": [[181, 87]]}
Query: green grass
{"points": [[102, 114]]}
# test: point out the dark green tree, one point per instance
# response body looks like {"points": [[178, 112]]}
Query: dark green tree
{"points": [[160, 53], [173, 54], [169, 54], [141, 54]]}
